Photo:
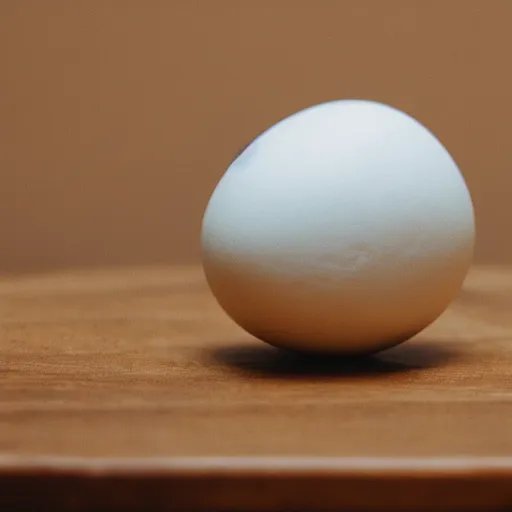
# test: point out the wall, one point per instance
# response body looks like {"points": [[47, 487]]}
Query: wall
{"points": [[117, 118]]}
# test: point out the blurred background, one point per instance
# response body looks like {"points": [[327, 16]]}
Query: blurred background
{"points": [[117, 118]]}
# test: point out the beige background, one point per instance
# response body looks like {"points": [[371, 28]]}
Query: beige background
{"points": [[117, 118]]}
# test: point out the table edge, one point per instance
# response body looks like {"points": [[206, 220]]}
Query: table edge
{"points": [[257, 484]]}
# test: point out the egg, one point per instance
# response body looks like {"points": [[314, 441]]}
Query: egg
{"points": [[345, 228]]}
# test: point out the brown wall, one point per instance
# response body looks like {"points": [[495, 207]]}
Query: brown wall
{"points": [[117, 118]]}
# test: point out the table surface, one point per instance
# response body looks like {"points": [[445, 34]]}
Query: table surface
{"points": [[129, 388]]}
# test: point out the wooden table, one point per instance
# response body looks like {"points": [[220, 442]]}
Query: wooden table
{"points": [[129, 389]]}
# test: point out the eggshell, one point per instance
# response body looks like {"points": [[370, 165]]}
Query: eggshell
{"points": [[344, 228]]}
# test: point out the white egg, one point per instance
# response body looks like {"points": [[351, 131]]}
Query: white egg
{"points": [[344, 228]]}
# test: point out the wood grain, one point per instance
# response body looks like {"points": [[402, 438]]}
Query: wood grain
{"points": [[129, 389]]}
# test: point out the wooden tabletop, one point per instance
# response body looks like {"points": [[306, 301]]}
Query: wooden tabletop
{"points": [[129, 389]]}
